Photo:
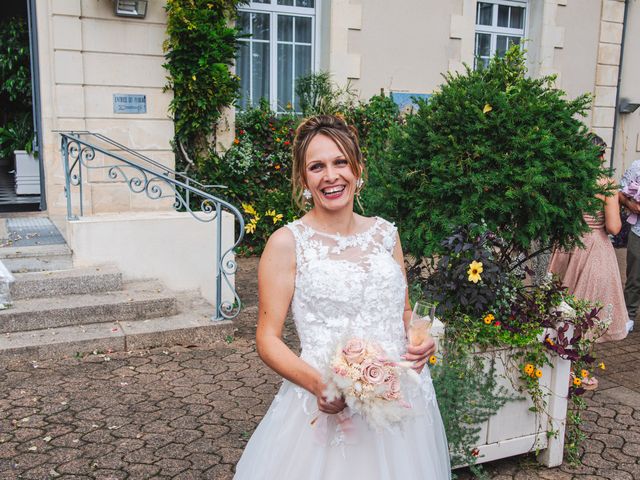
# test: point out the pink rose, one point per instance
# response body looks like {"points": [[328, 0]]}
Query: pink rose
{"points": [[354, 351], [340, 371], [373, 373], [393, 389]]}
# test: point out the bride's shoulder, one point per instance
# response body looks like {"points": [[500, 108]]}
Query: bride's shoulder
{"points": [[282, 239], [280, 249]]}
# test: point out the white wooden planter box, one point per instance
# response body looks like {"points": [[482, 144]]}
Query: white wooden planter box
{"points": [[27, 173], [515, 430]]}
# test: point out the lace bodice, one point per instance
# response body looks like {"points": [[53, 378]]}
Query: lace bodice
{"points": [[345, 287]]}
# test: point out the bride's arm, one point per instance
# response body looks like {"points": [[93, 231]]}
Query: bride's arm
{"points": [[276, 280], [418, 353]]}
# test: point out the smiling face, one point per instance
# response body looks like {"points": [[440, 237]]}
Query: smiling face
{"points": [[328, 175]]}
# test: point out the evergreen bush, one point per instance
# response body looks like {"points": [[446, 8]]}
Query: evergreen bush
{"points": [[498, 147]]}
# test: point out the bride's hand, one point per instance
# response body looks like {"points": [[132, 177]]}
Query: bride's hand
{"points": [[419, 354], [325, 406]]}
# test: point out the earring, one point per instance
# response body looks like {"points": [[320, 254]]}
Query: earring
{"points": [[306, 193], [359, 183]]}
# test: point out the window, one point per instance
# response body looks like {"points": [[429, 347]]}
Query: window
{"points": [[499, 25], [280, 48]]}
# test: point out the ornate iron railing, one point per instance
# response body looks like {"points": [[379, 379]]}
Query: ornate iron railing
{"points": [[146, 176]]}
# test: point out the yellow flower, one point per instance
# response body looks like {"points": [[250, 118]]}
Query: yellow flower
{"points": [[539, 373], [577, 382], [528, 369], [584, 373], [270, 213], [193, 77], [487, 108], [433, 359], [475, 269], [277, 218], [602, 365], [550, 342], [250, 227], [248, 209], [489, 318]]}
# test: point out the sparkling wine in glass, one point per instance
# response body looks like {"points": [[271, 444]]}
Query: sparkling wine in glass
{"points": [[421, 320]]}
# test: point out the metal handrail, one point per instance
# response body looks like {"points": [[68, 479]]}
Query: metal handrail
{"points": [[78, 154], [188, 180]]}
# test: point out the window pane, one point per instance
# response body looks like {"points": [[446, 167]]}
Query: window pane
{"points": [[305, 3], [285, 28], [514, 41], [244, 19], [484, 13], [503, 16], [260, 23], [501, 45], [482, 63], [303, 30], [286, 2], [261, 1], [243, 69], [303, 66], [260, 71], [517, 18], [483, 44], [285, 75]]}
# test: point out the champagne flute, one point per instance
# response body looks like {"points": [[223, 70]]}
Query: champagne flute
{"points": [[421, 320]]}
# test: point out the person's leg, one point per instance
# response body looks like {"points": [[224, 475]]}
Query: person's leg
{"points": [[632, 286]]}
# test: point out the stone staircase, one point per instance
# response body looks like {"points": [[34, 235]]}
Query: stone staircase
{"points": [[59, 310]]}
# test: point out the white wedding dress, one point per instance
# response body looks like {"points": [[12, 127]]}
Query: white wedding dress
{"points": [[346, 287]]}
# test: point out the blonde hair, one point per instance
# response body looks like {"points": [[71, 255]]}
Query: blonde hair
{"points": [[346, 138]]}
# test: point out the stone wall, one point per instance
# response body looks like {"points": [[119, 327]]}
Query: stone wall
{"points": [[86, 55]]}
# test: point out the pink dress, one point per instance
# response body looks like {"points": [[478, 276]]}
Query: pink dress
{"points": [[591, 273]]}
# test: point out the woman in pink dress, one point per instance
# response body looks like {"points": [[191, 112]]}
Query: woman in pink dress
{"points": [[592, 273]]}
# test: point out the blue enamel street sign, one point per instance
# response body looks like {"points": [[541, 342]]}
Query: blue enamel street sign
{"points": [[129, 103]]}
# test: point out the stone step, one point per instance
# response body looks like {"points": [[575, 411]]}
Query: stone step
{"points": [[76, 281], [193, 328], [137, 301], [36, 258]]}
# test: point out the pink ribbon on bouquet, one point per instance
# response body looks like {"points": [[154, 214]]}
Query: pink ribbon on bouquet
{"points": [[633, 192], [343, 426]]}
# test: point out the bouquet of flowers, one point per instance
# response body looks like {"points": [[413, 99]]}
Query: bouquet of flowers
{"points": [[370, 382]]}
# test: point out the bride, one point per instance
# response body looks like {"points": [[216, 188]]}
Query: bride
{"points": [[342, 274]]}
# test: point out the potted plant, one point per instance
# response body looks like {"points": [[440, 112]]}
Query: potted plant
{"points": [[16, 120], [16, 139]]}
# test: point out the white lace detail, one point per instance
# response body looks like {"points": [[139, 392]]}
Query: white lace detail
{"points": [[334, 296], [348, 286]]}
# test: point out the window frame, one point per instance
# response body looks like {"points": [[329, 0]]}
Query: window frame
{"points": [[494, 30], [273, 9]]}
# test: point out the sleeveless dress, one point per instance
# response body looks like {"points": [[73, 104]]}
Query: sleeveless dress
{"points": [[591, 273], [346, 286]]}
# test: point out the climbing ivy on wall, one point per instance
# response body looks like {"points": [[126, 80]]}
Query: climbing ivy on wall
{"points": [[200, 48]]}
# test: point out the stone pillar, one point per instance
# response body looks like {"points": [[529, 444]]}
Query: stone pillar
{"points": [[607, 69]]}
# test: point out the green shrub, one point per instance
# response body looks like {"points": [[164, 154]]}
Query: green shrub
{"points": [[15, 71], [320, 96], [257, 171], [200, 48], [498, 147]]}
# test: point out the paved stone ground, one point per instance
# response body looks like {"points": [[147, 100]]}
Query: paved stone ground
{"points": [[187, 412]]}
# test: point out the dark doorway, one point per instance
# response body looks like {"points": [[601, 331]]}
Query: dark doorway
{"points": [[20, 162]]}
